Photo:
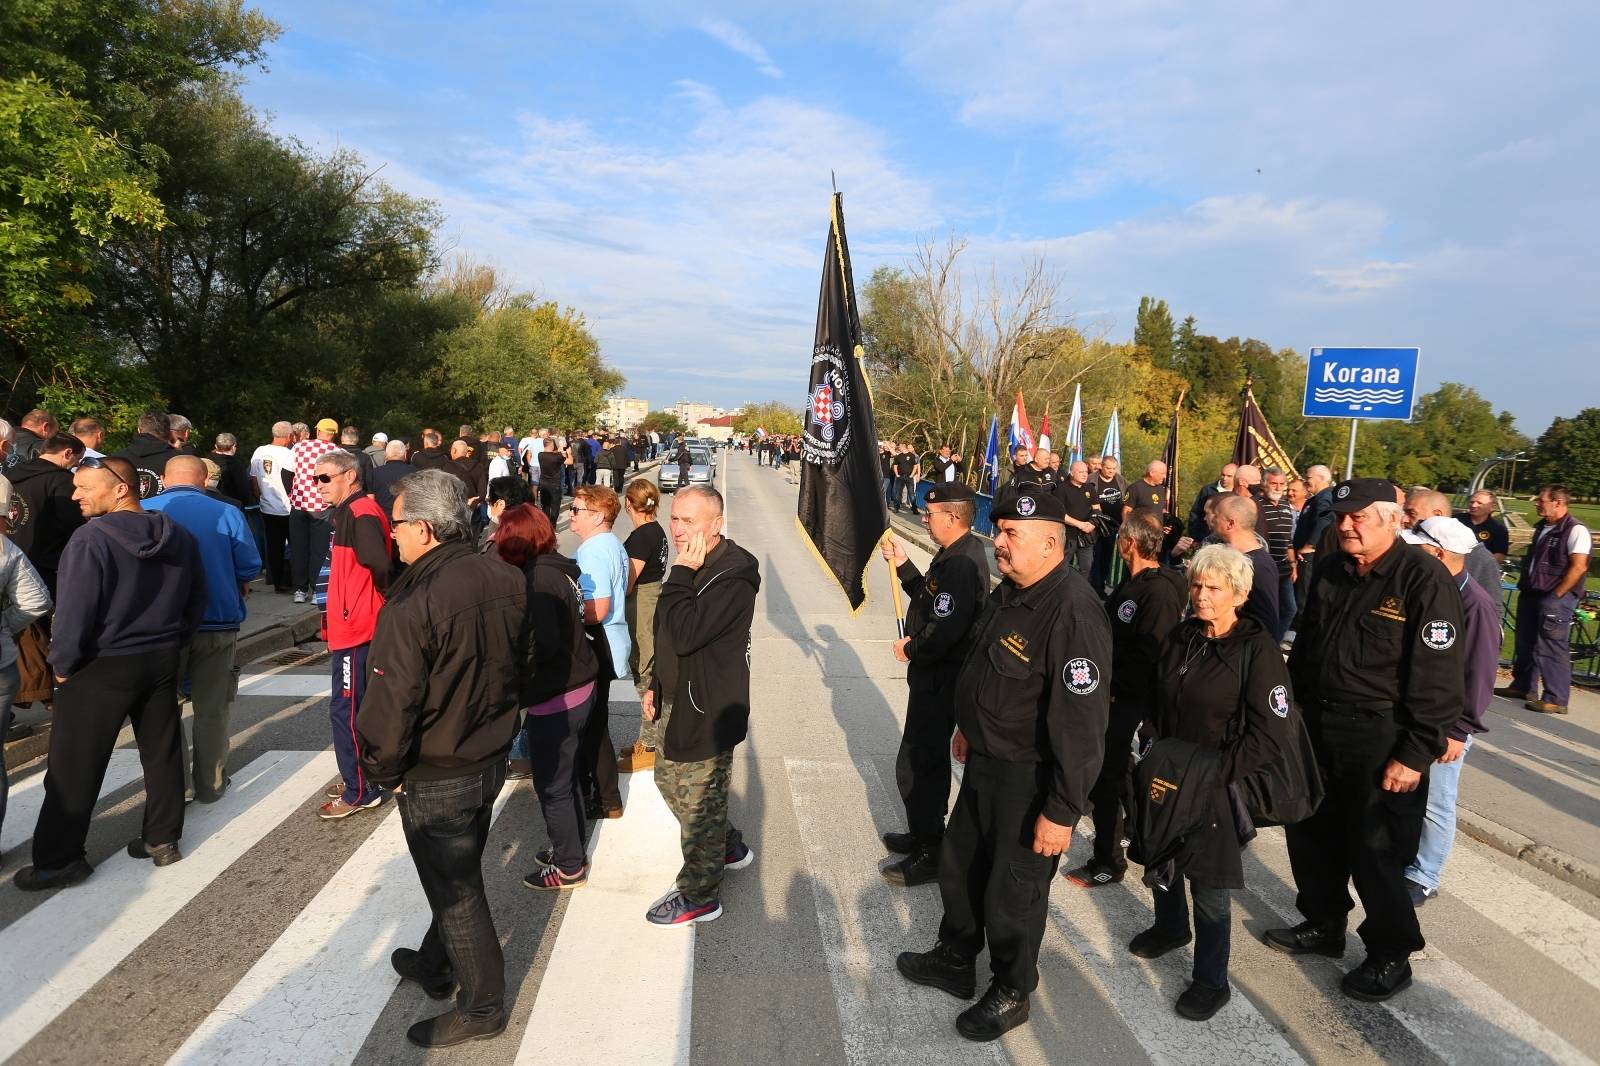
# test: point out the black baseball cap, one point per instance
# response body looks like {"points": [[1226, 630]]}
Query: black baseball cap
{"points": [[1360, 492], [1033, 504], [952, 492]]}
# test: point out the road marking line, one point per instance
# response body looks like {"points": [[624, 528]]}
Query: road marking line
{"points": [[883, 1018], [22, 810], [1454, 1014], [607, 953], [1546, 923], [57, 951], [334, 954], [285, 685]]}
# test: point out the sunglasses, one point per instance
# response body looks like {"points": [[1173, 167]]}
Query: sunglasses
{"points": [[578, 510], [93, 463], [323, 479]]}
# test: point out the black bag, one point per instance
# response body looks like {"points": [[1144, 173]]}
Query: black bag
{"points": [[1288, 789]]}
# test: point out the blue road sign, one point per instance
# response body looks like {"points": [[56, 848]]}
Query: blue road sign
{"points": [[1361, 383]]}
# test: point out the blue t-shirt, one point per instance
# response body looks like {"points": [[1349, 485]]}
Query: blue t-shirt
{"points": [[604, 566]]}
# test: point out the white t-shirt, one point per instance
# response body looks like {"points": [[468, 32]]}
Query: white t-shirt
{"points": [[267, 466], [499, 467], [528, 449], [1579, 542]]}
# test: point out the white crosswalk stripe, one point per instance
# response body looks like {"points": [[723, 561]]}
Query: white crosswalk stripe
{"points": [[22, 809], [57, 951]]}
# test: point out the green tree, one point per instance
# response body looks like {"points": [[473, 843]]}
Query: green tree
{"points": [[1451, 431], [663, 422], [1568, 453], [1153, 332], [774, 417]]}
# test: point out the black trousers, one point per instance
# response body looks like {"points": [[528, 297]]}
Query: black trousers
{"points": [[1360, 833], [1112, 792], [1080, 552], [447, 825], [994, 887], [308, 547], [597, 756], [275, 530], [90, 710], [922, 766], [550, 500]]}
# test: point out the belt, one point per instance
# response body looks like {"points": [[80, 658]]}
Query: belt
{"points": [[1370, 709]]}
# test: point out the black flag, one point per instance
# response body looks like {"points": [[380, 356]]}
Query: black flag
{"points": [[1255, 443], [1172, 521], [842, 510]]}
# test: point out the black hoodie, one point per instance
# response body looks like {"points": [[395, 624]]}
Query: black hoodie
{"points": [[561, 656], [702, 669], [149, 457], [130, 582], [43, 514]]}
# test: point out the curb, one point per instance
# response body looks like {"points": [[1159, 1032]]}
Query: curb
{"points": [[1553, 861], [261, 643]]}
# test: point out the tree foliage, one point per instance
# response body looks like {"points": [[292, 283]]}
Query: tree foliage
{"points": [[663, 422], [776, 418], [1568, 453]]}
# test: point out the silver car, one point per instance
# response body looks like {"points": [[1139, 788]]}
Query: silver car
{"points": [[702, 471]]}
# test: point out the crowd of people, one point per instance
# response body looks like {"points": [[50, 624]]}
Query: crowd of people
{"points": [[464, 647], [1128, 668]]}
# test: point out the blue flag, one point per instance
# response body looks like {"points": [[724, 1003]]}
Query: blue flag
{"points": [[991, 457]]}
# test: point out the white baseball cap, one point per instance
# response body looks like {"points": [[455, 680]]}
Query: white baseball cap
{"points": [[380, 438], [1442, 532]]}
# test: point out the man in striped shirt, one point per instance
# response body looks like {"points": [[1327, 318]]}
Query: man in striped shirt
{"points": [[1276, 526]]}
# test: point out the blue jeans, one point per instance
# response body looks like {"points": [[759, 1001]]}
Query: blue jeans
{"points": [[1439, 823], [1286, 606], [888, 491], [447, 825], [1213, 929], [1544, 621]]}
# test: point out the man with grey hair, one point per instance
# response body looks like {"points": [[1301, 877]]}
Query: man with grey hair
{"points": [[440, 713], [1481, 565], [350, 592], [179, 429], [233, 476], [271, 473], [1235, 521], [1378, 669]]}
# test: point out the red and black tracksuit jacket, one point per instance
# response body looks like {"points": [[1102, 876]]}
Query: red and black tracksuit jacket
{"points": [[359, 563]]}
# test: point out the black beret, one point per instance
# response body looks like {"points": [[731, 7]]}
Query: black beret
{"points": [[1360, 492], [1033, 503], [951, 492]]}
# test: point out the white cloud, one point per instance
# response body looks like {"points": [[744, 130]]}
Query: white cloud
{"points": [[740, 42]]}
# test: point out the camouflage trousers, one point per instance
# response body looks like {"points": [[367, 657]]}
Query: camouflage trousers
{"points": [[697, 795]]}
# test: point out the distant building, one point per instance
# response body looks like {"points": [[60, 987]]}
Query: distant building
{"points": [[624, 412], [692, 414], [715, 428]]}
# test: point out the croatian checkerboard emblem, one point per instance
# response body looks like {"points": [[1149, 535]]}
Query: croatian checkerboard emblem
{"points": [[943, 605], [1278, 700], [1126, 611], [1025, 506], [825, 410], [1081, 676], [1342, 491], [1439, 635]]}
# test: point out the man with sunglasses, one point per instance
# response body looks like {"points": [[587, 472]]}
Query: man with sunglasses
{"points": [[350, 591], [944, 608], [132, 593]]}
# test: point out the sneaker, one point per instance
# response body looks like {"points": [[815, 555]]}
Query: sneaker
{"points": [[299, 595], [549, 876], [1376, 980], [739, 857], [1093, 875], [335, 790], [1153, 943], [676, 909], [159, 854], [921, 867], [338, 808], [1419, 894]]}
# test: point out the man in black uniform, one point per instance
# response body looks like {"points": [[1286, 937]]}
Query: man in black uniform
{"points": [[944, 606], [1490, 531], [1143, 609], [1031, 707], [1109, 492], [1078, 500], [1377, 665]]}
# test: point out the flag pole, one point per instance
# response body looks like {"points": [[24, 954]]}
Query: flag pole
{"points": [[894, 591]]}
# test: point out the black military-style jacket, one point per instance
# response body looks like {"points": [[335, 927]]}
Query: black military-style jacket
{"points": [[1387, 643], [1036, 685], [944, 605]]}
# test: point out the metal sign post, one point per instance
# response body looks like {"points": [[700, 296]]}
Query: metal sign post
{"points": [[1357, 383]]}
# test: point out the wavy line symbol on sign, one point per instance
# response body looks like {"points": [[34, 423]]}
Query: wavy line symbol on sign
{"points": [[1377, 396]]}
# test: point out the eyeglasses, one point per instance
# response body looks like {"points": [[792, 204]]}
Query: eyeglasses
{"points": [[575, 509], [94, 463], [323, 479]]}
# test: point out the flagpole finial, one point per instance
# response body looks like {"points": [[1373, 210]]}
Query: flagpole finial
{"points": [[835, 180]]}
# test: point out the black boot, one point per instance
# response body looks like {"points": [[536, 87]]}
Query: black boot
{"points": [[408, 964], [943, 968], [450, 1028], [1199, 1002], [1000, 1010], [33, 879], [1153, 943], [1307, 938], [900, 843], [918, 868], [159, 854], [1375, 980]]}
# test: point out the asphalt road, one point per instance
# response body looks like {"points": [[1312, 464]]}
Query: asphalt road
{"points": [[269, 943]]}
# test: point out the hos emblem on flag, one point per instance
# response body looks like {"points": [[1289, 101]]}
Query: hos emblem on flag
{"points": [[827, 433], [943, 605], [1081, 676], [1439, 635], [1278, 700], [1126, 610]]}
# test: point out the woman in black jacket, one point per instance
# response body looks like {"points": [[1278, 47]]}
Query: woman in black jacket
{"points": [[1221, 683], [556, 689]]}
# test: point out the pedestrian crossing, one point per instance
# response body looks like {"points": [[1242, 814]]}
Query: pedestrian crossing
{"points": [[318, 989]]}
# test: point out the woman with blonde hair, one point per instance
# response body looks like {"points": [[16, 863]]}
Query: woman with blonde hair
{"points": [[647, 565]]}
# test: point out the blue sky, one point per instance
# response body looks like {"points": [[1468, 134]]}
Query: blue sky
{"points": [[1356, 174]]}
